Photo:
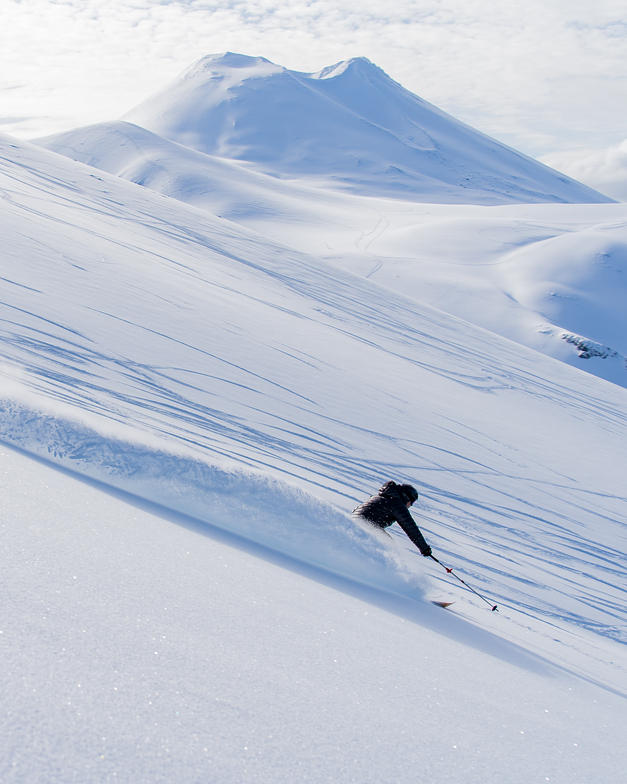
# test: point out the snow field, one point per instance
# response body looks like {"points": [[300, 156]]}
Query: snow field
{"points": [[548, 276], [140, 645], [187, 596]]}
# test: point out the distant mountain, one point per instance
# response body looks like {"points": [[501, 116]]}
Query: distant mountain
{"points": [[350, 125], [549, 276], [225, 188]]}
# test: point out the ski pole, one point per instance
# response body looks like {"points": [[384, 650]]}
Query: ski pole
{"points": [[450, 571]]}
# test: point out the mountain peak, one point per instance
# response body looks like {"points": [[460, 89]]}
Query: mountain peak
{"points": [[355, 64], [231, 61], [348, 125]]}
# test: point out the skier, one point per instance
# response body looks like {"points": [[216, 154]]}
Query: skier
{"points": [[390, 505]]}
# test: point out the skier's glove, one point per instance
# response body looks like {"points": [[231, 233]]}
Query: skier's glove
{"points": [[427, 552]]}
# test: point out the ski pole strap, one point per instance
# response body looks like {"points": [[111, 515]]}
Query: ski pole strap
{"points": [[448, 570]]}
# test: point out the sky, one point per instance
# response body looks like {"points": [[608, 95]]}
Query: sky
{"points": [[548, 77]]}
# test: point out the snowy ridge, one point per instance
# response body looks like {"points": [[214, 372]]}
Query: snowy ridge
{"points": [[218, 185]]}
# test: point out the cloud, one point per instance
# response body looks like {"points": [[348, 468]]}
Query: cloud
{"points": [[605, 170], [536, 75]]}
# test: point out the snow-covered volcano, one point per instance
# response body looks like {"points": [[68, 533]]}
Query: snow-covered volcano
{"points": [[349, 125]]}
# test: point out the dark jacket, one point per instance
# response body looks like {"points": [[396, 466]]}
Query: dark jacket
{"points": [[389, 506]]}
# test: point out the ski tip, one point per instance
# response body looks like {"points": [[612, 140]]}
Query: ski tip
{"points": [[443, 604]]}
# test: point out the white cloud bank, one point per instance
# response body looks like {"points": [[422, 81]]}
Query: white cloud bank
{"points": [[540, 76], [605, 170]]}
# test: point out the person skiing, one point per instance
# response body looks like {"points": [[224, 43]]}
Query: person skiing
{"points": [[391, 505]]}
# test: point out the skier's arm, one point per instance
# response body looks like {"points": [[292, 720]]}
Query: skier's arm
{"points": [[406, 522]]}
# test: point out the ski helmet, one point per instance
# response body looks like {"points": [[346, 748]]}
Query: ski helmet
{"points": [[408, 492]]}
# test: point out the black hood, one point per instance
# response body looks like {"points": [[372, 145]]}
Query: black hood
{"points": [[404, 492]]}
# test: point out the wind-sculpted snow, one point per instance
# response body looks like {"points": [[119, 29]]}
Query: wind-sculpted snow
{"points": [[551, 277]]}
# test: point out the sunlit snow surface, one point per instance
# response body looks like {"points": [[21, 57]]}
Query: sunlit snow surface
{"points": [[550, 276], [262, 392], [139, 646]]}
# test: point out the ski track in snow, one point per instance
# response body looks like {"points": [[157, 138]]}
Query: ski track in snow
{"points": [[270, 403], [209, 390], [549, 276], [218, 384], [144, 645]]}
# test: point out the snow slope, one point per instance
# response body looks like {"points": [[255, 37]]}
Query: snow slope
{"points": [[552, 277], [349, 125], [256, 393], [139, 645]]}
